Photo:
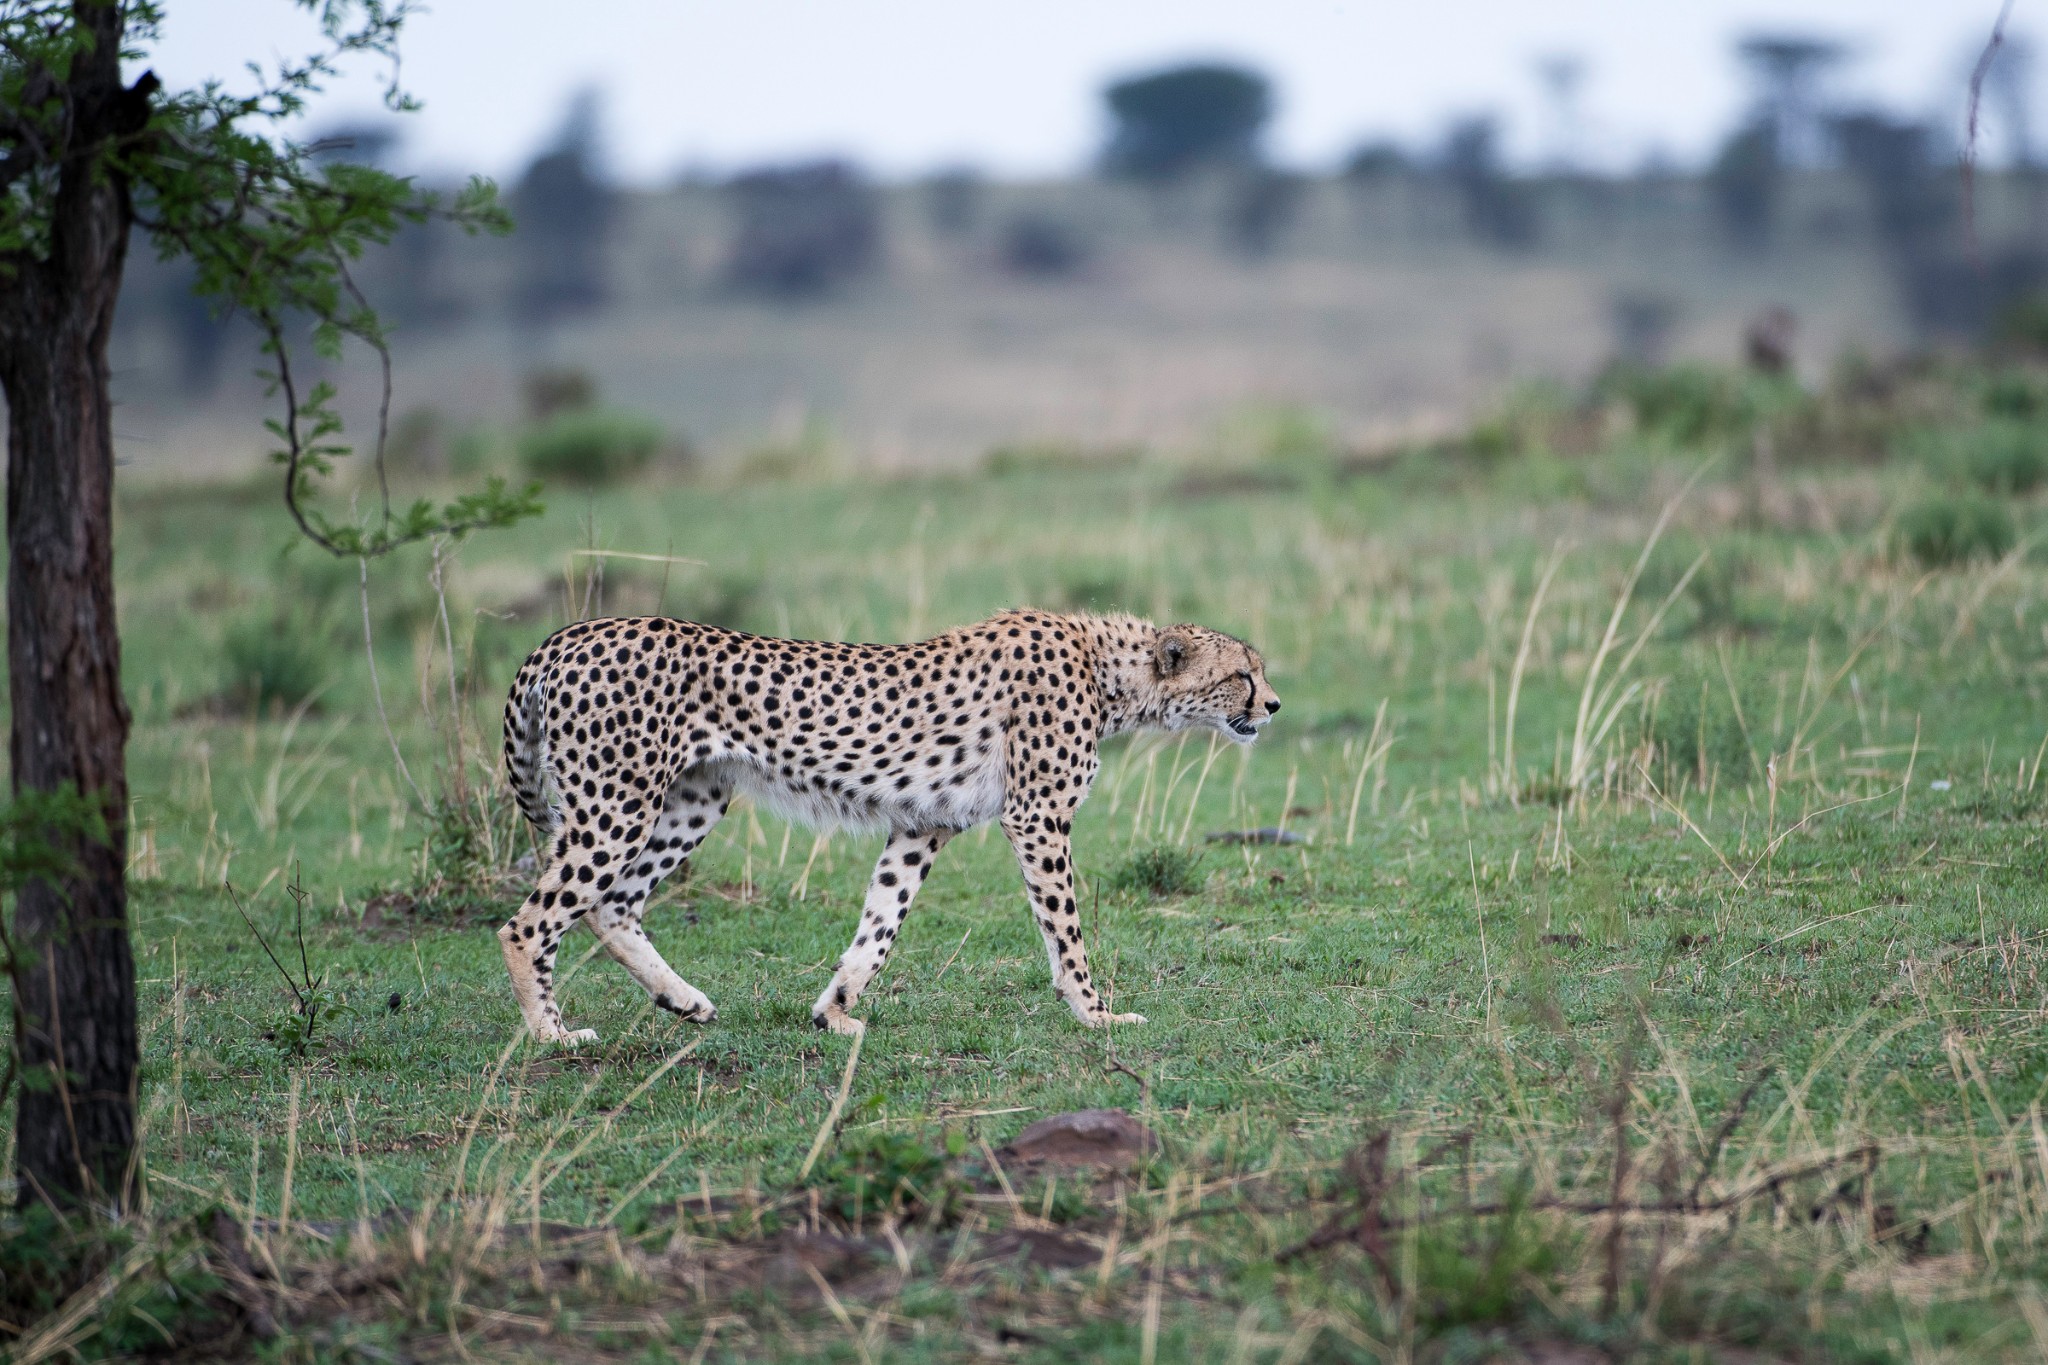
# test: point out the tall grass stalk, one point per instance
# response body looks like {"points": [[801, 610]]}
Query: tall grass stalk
{"points": [[1599, 712], [1506, 781], [1373, 758]]}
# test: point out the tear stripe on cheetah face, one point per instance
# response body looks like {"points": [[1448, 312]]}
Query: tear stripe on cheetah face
{"points": [[646, 727]]}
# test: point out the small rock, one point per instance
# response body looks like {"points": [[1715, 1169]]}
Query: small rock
{"points": [[1268, 835], [1089, 1137]]}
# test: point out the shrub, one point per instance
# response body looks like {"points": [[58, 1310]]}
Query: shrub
{"points": [[550, 392], [1039, 247], [274, 660], [2007, 457], [803, 229], [891, 1173], [589, 446], [1944, 531], [730, 599], [2024, 324], [1053, 457], [2013, 394], [1685, 404], [1167, 870]]}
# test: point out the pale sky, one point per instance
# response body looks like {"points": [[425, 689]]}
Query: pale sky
{"points": [[905, 86]]}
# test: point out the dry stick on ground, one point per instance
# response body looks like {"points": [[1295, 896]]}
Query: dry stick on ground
{"points": [[1337, 1229], [1712, 1156], [831, 1122], [1610, 1283]]}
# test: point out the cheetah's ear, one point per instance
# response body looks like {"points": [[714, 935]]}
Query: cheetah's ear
{"points": [[1170, 654]]}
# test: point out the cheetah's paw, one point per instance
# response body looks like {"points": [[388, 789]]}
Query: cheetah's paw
{"points": [[696, 1008], [838, 1021], [569, 1037]]}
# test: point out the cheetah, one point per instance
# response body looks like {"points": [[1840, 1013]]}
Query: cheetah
{"points": [[645, 728]]}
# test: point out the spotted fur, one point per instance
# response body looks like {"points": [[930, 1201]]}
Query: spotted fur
{"points": [[644, 728]]}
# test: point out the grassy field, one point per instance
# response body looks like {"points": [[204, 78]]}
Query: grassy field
{"points": [[1651, 968]]}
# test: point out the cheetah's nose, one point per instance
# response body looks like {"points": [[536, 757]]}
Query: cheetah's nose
{"points": [[1273, 706]]}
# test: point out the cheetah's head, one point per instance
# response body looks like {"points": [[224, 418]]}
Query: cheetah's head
{"points": [[1205, 677]]}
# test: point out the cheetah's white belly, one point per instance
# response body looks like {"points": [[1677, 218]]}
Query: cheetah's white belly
{"points": [[974, 800]]}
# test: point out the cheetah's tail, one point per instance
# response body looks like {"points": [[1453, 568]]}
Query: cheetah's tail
{"points": [[526, 756]]}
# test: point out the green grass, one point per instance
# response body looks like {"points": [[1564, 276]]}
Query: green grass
{"points": [[1797, 857]]}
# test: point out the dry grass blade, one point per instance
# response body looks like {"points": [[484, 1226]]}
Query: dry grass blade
{"points": [[1591, 689], [604, 1126], [1680, 812], [1507, 779], [838, 1310], [1376, 751], [838, 1108], [64, 1330]]}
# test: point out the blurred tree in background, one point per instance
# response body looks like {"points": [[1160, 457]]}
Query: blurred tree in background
{"points": [[1498, 209], [953, 200], [1745, 181], [1262, 205], [1786, 70], [1171, 122], [565, 213], [802, 229]]}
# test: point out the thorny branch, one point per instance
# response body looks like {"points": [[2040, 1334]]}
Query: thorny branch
{"points": [[1366, 1225]]}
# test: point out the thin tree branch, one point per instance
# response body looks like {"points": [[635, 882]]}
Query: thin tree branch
{"points": [[1977, 76]]}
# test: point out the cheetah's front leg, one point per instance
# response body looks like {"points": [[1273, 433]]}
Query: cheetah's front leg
{"points": [[1043, 844], [905, 862]]}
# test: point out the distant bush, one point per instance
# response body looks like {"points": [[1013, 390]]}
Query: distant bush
{"points": [[1499, 209], [418, 441], [1094, 587], [1039, 247], [1262, 206], [1944, 531], [2023, 324], [1692, 405], [2008, 457], [552, 391], [1167, 870], [2003, 455], [1044, 457], [730, 599], [1373, 162], [269, 661], [589, 446], [803, 229], [477, 448], [2012, 393], [953, 199]]}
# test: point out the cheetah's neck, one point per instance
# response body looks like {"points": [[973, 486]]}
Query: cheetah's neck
{"points": [[1121, 649]]}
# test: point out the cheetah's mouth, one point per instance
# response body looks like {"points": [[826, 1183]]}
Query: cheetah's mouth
{"points": [[1242, 726]]}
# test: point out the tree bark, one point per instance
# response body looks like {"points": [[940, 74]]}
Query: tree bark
{"points": [[75, 973]]}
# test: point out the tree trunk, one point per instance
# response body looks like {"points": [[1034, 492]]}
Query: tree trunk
{"points": [[75, 974]]}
